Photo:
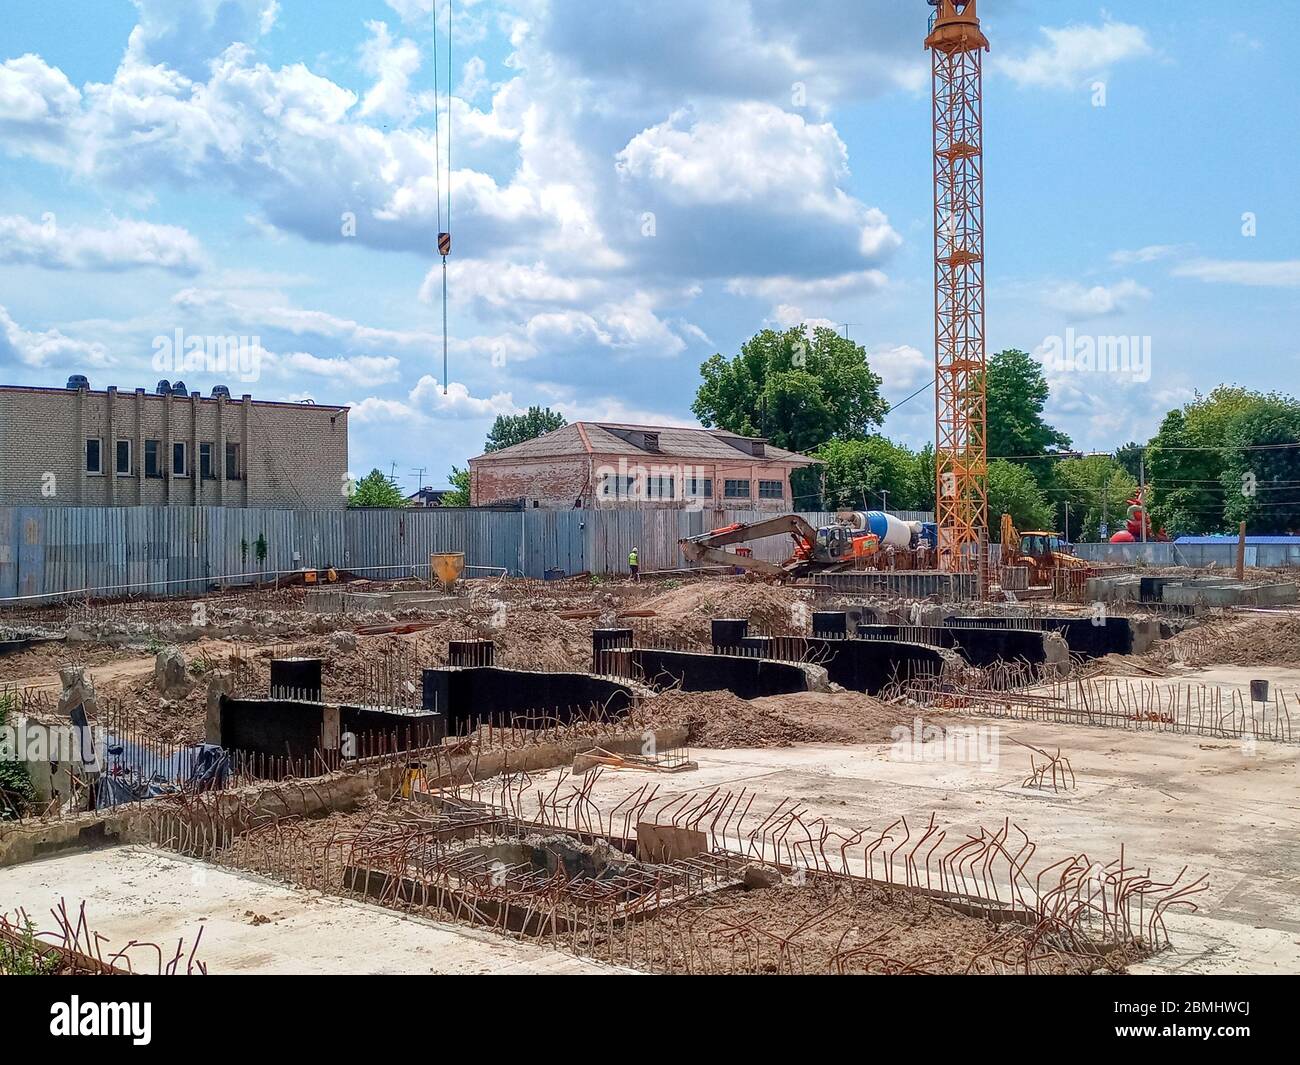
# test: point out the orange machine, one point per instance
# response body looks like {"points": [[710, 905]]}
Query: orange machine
{"points": [[1042, 552], [836, 547]]}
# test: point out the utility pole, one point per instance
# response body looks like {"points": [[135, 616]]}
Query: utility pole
{"points": [[1067, 521], [884, 500]]}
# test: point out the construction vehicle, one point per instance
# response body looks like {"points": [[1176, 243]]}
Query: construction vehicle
{"points": [[856, 540], [1044, 554]]}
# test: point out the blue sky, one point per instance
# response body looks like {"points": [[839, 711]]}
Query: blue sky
{"points": [[634, 187]]}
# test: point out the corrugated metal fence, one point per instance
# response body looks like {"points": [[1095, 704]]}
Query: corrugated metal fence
{"points": [[1224, 556], [56, 551]]}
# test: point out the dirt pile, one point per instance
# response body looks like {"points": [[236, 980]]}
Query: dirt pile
{"points": [[1233, 640], [824, 928], [722, 720], [684, 612]]}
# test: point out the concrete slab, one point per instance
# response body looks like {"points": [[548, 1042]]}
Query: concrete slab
{"points": [[153, 896], [1171, 801]]}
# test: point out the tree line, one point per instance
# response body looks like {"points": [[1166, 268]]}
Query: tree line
{"points": [[1229, 456]]}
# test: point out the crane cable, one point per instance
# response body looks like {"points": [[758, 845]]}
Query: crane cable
{"points": [[444, 234]]}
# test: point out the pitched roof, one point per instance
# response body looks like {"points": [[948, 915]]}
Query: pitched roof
{"points": [[618, 438]]}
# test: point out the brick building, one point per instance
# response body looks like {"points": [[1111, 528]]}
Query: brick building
{"points": [[78, 447], [599, 464]]}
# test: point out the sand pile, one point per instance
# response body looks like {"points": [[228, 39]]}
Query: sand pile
{"points": [[685, 612], [722, 720], [1235, 640]]}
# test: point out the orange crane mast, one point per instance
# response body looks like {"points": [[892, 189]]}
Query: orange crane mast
{"points": [[956, 44]]}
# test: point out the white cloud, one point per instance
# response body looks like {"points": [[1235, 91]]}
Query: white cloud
{"points": [[743, 188], [902, 367], [822, 290], [1096, 301], [124, 245], [352, 369], [503, 286], [606, 408], [427, 396], [1284, 273], [37, 107], [426, 404], [47, 349], [1149, 254], [753, 153], [392, 63], [727, 49], [1075, 54], [236, 307], [376, 411], [186, 34], [473, 82]]}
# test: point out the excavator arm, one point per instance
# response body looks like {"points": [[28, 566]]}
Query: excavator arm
{"points": [[707, 546]]}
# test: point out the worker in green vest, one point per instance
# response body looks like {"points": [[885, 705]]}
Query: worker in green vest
{"points": [[633, 565]]}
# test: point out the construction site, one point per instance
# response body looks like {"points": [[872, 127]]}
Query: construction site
{"points": [[683, 774], [845, 743]]}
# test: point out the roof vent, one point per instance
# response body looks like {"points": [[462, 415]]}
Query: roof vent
{"points": [[77, 382], [220, 390], [163, 388], [758, 448], [650, 441], [179, 389]]}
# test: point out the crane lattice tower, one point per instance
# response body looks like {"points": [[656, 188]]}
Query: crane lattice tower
{"points": [[956, 45]]}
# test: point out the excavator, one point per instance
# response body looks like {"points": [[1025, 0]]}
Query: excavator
{"points": [[854, 541], [1043, 553]]}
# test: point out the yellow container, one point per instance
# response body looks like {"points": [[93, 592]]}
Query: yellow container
{"points": [[447, 567]]}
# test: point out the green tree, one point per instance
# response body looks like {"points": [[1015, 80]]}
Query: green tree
{"points": [[1097, 488], [376, 490], [1261, 475], [511, 429], [1130, 457], [459, 494], [1198, 461], [1017, 394], [16, 789], [798, 391], [1013, 490], [864, 474], [924, 477]]}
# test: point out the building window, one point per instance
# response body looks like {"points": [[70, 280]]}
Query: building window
{"points": [[94, 456], [771, 490], [661, 487], [699, 487], [618, 487], [178, 459], [151, 467], [123, 466], [232, 462], [736, 490], [205, 462]]}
